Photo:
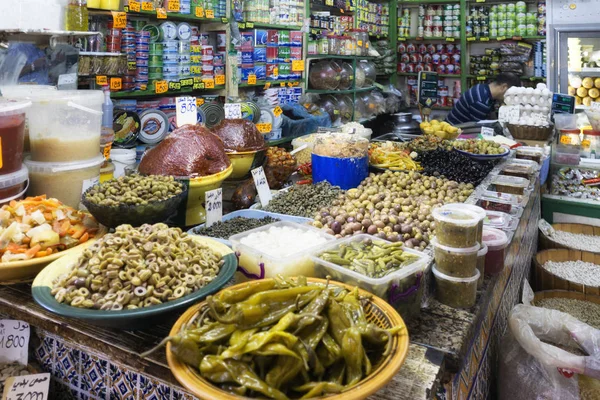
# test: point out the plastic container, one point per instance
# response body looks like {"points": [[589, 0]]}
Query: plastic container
{"points": [[590, 142], [304, 156], [325, 75], [520, 168], [12, 134], [480, 212], [370, 73], [500, 220], [456, 262], [64, 181], [256, 264], [107, 171], [510, 184], [481, 264], [13, 186], [340, 159], [568, 155], [497, 201], [403, 288], [65, 125], [570, 137], [530, 153], [456, 292], [496, 242], [456, 228], [122, 158]]}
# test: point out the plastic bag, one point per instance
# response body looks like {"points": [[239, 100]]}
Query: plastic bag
{"points": [[298, 122], [533, 367]]}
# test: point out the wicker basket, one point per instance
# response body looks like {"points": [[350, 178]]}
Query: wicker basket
{"points": [[526, 132], [548, 243], [545, 280]]}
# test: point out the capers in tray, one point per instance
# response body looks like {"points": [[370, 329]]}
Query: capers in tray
{"points": [[134, 190]]}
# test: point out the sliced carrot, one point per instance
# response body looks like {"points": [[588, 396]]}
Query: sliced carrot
{"points": [[48, 216], [26, 240], [84, 238], [13, 203], [32, 252]]}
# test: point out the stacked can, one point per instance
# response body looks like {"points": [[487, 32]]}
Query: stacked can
{"points": [[373, 17], [539, 59], [142, 56], [541, 10], [170, 60], [128, 47], [208, 68], [218, 7], [185, 6], [184, 58], [220, 56], [196, 60], [404, 22], [155, 62], [441, 58], [113, 39]]}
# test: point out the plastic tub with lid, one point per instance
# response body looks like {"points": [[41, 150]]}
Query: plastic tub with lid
{"points": [[13, 186], [480, 212], [456, 228], [496, 242], [12, 134], [510, 184], [65, 125], [65, 181], [590, 143], [403, 288], [500, 220], [122, 158], [520, 168], [530, 153], [456, 292], [456, 262], [481, 254]]}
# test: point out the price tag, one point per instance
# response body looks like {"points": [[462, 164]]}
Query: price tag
{"points": [[209, 83], [402, 39], [595, 106], [161, 13], [211, 14], [276, 72], [199, 12], [500, 38], [134, 6], [262, 186], [282, 84], [471, 39], [449, 39], [487, 131], [119, 19], [220, 79], [131, 65], [479, 1], [297, 65], [213, 206], [224, 20], [509, 113], [14, 341], [161, 87], [264, 128], [101, 80], [116, 83], [106, 151], [233, 110], [485, 39], [565, 139], [173, 6], [481, 78], [517, 38], [249, 25], [242, 25], [267, 85], [27, 387], [199, 101], [252, 79], [186, 113], [277, 111], [147, 6]]}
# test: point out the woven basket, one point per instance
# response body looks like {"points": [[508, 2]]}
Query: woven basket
{"points": [[548, 243], [526, 132], [545, 280]]}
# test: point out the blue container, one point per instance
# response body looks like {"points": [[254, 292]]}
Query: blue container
{"points": [[346, 173]]}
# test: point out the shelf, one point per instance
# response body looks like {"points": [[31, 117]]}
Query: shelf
{"points": [[279, 141], [45, 32], [349, 91], [501, 39], [455, 76], [262, 83], [417, 2], [171, 16], [434, 108], [317, 56], [250, 25], [151, 93], [587, 71], [523, 78], [333, 10], [422, 39]]}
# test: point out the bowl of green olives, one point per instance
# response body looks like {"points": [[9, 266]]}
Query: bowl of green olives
{"points": [[135, 199]]}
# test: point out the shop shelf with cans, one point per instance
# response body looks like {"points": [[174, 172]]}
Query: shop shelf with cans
{"points": [[490, 77], [273, 83], [152, 93], [451, 76], [175, 16], [260, 25]]}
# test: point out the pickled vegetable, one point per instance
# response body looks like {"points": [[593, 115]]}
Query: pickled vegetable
{"points": [[456, 292], [460, 263], [456, 228]]}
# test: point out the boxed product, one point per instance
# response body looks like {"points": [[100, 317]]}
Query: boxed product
{"points": [[260, 54], [260, 37]]}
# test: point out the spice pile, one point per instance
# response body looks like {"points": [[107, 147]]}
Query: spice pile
{"points": [[580, 272], [585, 311], [453, 165], [304, 200], [233, 226], [577, 241]]}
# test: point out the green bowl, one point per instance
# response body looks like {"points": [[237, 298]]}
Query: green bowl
{"points": [[129, 319]]}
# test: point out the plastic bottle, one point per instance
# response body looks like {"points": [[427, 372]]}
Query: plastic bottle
{"points": [[107, 134], [77, 16]]}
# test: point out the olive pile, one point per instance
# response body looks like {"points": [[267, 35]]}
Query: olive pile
{"points": [[394, 205], [304, 200], [134, 190], [427, 143], [233, 226], [455, 166], [477, 146]]}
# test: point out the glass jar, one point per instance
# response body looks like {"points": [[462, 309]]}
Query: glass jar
{"points": [[362, 38], [323, 45], [334, 45], [350, 44], [76, 16]]}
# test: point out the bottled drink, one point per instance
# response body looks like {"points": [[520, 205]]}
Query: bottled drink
{"points": [[77, 16]]}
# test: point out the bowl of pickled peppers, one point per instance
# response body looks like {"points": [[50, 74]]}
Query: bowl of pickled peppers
{"points": [[288, 338]]}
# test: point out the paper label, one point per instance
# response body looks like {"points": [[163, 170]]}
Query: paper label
{"points": [[119, 19], [220, 79], [161, 13], [209, 83], [199, 101], [233, 110], [210, 14], [213, 206], [147, 6], [27, 387], [105, 152], [116, 83], [101, 80], [264, 128], [134, 6], [199, 12], [487, 131], [277, 111], [251, 79], [262, 186], [161, 87], [14, 341], [250, 25], [508, 113], [595, 106], [565, 139], [186, 112], [67, 81], [297, 65], [173, 6], [267, 85]]}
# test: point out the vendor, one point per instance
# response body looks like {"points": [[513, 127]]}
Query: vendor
{"points": [[477, 103]]}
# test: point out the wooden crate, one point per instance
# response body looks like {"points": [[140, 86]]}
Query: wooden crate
{"points": [[545, 280]]}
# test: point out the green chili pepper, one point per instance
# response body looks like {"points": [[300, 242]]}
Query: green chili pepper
{"points": [[241, 294], [316, 389], [256, 341], [352, 350]]}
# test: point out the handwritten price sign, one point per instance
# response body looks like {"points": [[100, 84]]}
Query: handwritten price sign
{"points": [[186, 112], [116, 83], [213, 206], [233, 111], [161, 87], [173, 6], [220, 79], [134, 6], [262, 186], [14, 341], [119, 19], [27, 387]]}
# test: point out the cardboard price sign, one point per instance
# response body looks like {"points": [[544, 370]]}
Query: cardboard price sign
{"points": [[220, 79], [101, 80], [487, 131], [210, 14], [27, 387], [264, 128], [251, 79], [161, 13], [233, 111], [116, 83], [134, 6], [199, 12], [119, 19], [173, 6], [186, 111], [209, 83], [14, 341], [213, 206], [277, 111], [147, 6], [161, 87], [297, 65], [262, 186]]}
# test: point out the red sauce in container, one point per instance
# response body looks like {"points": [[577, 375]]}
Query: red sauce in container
{"points": [[12, 135]]}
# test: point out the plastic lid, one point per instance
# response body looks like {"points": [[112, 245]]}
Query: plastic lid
{"points": [[50, 167], [454, 216], [14, 178], [480, 212], [445, 277], [497, 219], [510, 181], [482, 251], [12, 107], [466, 250], [591, 132], [494, 239]]}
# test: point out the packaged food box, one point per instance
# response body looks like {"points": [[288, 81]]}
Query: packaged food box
{"points": [[260, 54], [284, 38], [247, 41], [456, 228], [247, 57], [456, 292], [272, 53], [480, 212], [403, 288], [530, 153], [520, 168], [272, 38], [481, 264], [259, 264], [296, 38], [272, 71], [500, 220], [511, 184], [456, 262], [260, 70], [260, 37], [296, 53], [496, 242]]}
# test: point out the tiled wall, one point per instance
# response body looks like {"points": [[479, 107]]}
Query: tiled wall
{"points": [[86, 375]]}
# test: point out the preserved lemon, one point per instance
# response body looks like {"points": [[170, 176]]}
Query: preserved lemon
{"points": [[587, 83], [593, 93], [582, 92]]}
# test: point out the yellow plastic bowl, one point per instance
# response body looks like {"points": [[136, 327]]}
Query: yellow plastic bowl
{"points": [[377, 311], [195, 213], [244, 161]]}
